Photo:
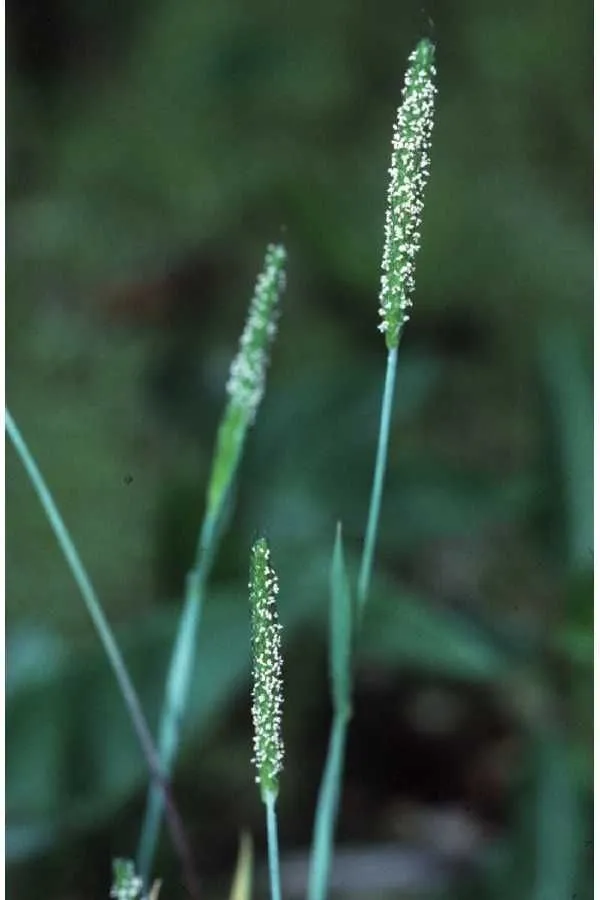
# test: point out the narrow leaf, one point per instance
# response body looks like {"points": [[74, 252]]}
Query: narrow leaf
{"points": [[341, 629], [241, 887], [559, 825], [340, 661], [327, 810], [569, 392]]}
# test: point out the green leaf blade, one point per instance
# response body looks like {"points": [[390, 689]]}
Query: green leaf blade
{"points": [[341, 628], [559, 827]]}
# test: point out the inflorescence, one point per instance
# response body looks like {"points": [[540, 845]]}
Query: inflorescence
{"points": [[409, 171], [247, 375], [267, 691], [126, 884], [246, 383]]}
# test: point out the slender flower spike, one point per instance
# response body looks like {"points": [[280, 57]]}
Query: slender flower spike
{"points": [[408, 172], [267, 690], [248, 372], [247, 376]]}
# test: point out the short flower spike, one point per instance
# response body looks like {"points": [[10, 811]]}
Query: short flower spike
{"points": [[409, 171], [126, 884], [267, 690]]}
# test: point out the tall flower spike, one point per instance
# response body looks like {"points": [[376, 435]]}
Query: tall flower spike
{"points": [[247, 375], [267, 690], [409, 171]]}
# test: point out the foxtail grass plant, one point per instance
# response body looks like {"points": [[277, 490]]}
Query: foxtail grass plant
{"points": [[245, 389], [409, 171], [109, 644], [267, 695]]}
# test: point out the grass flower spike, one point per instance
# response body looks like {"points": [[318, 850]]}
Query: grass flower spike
{"points": [[247, 376], [126, 884], [409, 171], [267, 691], [246, 382], [245, 387], [267, 695]]}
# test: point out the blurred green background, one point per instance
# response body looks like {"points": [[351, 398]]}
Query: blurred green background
{"points": [[154, 148]]}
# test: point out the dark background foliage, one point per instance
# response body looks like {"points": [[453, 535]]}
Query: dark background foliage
{"points": [[154, 148]]}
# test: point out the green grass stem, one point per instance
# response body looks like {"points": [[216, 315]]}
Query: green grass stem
{"points": [[109, 644], [366, 566], [179, 677], [559, 825], [273, 846], [327, 809]]}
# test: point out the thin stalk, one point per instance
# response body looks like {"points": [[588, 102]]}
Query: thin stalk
{"points": [[559, 834], [327, 810], [273, 846], [366, 566], [245, 388], [176, 692], [107, 640]]}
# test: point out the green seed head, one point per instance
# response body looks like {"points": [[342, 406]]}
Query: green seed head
{"points": [[267, 690], [409, 171], [246, 384], [247, 376], [126, 884]]}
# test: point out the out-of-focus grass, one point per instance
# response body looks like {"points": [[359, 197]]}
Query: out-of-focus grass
{"points": [[177, 146]]}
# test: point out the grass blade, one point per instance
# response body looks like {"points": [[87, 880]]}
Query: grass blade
{"points": [[107, 640], [558, 825], [341, 636], [327, 808], [569, 393], [241, 888], [340, 630], [177, 690]]}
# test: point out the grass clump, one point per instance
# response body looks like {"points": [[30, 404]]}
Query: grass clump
{"points": [[245, 389], [409, 172]]}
